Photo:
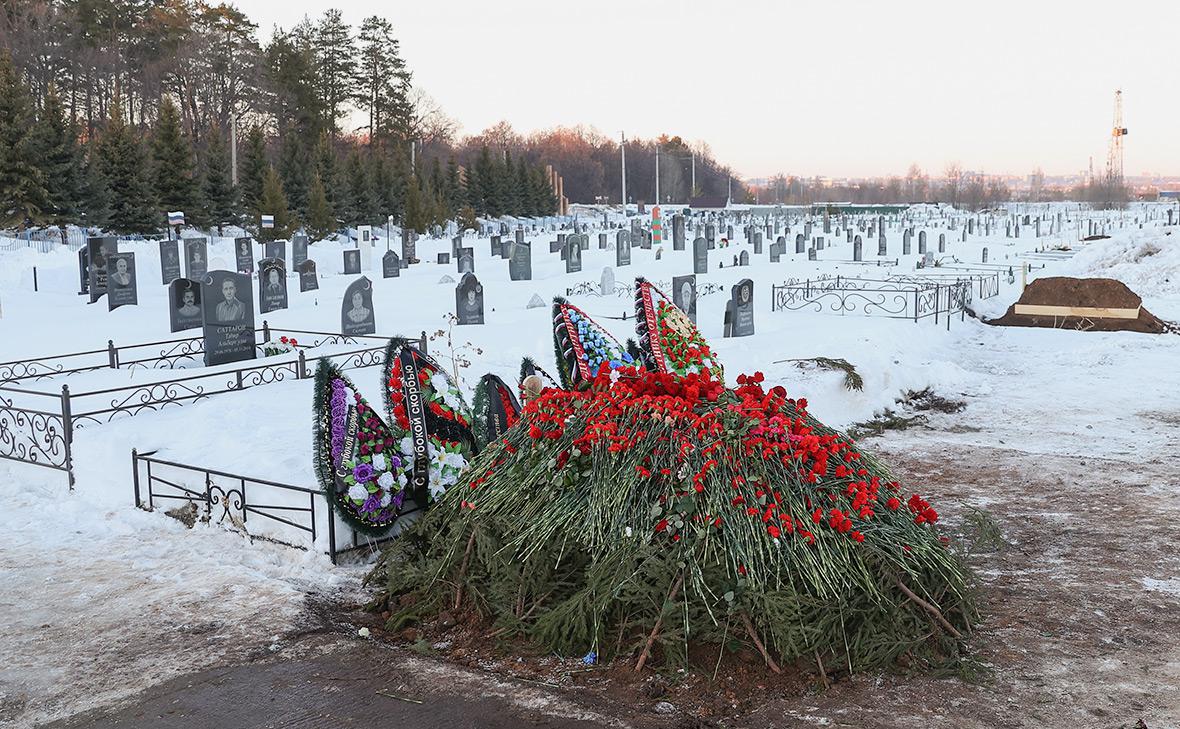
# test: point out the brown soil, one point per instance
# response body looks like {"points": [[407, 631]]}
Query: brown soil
{"points": [[1082, 292]]}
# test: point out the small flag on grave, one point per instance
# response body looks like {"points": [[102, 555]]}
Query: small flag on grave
{"points": [[176, 217], [268, 221]]}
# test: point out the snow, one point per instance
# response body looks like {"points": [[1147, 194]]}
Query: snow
{"points": [[102, 599]]}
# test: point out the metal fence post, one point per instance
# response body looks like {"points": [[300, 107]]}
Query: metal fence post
{"points": [[265, 331], [422, 341], [35, 278], [67, 436], [301, 366], [112, 355], [135, 475]]}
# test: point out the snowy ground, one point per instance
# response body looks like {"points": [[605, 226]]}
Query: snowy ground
{"points": [[100, 600]]}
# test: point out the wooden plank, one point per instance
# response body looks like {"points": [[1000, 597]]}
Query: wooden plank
{"points": [[1093, 312]]}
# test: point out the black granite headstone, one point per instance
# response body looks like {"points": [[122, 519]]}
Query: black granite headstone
{"points": [[700, 255], [272, 285], [466, 260], [352, 261], [573, 254], [121, 285], [244, 255], [98, 251], [196, 258], [469, 300], [275, 249], [622, 248], [228, 304], [356, 311], [520, 266], [391, 265], [684, 295], [169, 261], [298, 251], [308, 279], [740, 309], [184, 304]]}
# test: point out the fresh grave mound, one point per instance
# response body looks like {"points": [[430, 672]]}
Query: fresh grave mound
{"points": [[640, 513], [1088, 304]]}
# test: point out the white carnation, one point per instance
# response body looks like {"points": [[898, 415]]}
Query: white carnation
{"points": [[386, 497], [386, 481], [379, 462], [357, 492]]}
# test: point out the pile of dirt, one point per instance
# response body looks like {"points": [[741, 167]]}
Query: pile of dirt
{"points": [[1085, 304]]}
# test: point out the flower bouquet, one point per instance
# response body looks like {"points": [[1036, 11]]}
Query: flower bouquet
{"points": [[282, 346]]}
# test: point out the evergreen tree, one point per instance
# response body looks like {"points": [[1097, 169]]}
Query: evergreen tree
{"points": [[489, 196], [252, 171], [335, 66], [95, 191], [400, 177], [416, 214], [454, 188], [320, 220], [172, 158], [23, 197], [123, 163], [383, 83], [56, 144], [357, 187], [219, 194], [294, 168], [525, 194], [509, 189], [274, 202], [328, 168]]}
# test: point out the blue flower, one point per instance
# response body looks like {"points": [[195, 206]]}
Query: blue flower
{"points": [[590, 658]]}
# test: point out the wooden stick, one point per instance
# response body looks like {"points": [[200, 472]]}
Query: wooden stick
{"points": [[822, 673], [928, 608], [659, 622], [463, 570], [757, 643]]}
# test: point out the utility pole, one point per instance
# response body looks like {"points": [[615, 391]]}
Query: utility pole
{"points": [[623, 158], [233, 150], [693, 191]]}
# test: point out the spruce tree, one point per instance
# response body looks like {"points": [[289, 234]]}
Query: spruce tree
{"points": [[415, 211], [327, 166], [510, 198], [526, 200], [357, 189], [252, 170], [172, 160], [320, 220], [295, 170], [454, 188], [219, 194], [24, 199], [274, 202], [123, 163], [95, 191], [56, 145]]}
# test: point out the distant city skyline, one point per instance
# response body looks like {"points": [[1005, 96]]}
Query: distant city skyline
{"points": [[852, 88]]}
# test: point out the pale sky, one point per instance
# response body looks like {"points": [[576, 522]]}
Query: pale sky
{"points": [[836, 87]]}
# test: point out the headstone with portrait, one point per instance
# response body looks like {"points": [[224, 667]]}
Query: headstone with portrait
{"points": [[356, 311], [364, 244], [184, 304], [275, 249], [622, 248], [573, 254], [228, 303], [272, 285], [121, 285], [99, 251], [244, 255], [352, 261], [466, 261], [196, 258], [684, 295], [169, 261], [308, 278], [298, 251], [469, 300], [700, 255], [739, 310]]}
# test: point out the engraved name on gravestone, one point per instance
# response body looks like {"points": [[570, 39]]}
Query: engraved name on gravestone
{"points": [[700, 255], [811, 254], [244, 255], [409, 245], [352, 261], [739, 310], [744, 258], [272, 285], [520, 266], [622, 248], [121, 285], [275, 249], [391, 265], [228, 303], [169, 261], [684, 295], [196, 258], [469, 300], [308, 279], [98, 251], [184, 304], [356, 310]]}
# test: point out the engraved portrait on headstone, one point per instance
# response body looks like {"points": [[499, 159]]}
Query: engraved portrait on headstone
{"points": [[356, 310], [469, 300], [272, 287], [228, 303], [169, 261], [184, 304], [196, 258], [121, 285]]}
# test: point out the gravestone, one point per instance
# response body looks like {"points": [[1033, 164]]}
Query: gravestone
{"points": [[244, 255], [971, 226], [800, 243], [857, 249], [228, 303], [700, 255], [169, 261], [275, 249], [184, 304], [622, 248], [739, 310], [121, 285], [606, 286], [272, 285], [409, 246], [744, 258], [819, 243], [496, 244], [921, 241], [942, 242], [444, 258], [573, 254], [469, 300], [984, 255], [196, 258], [584, 240], [298, 251], [758, 244], [308, 279], [684, 295], [98, 252], [352, 261], [466, 260], [776, 251], [520, 266], [928, 259], [811, 254], [710, 236], [83, 270], [356, 311], [905, 243], [391, 265], [678, 232], [456, 246], [519, 235], [603, 243], [881, 249], [827, 224], [364, 244]]}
